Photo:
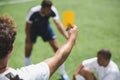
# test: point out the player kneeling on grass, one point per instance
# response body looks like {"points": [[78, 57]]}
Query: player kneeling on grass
{"points": [[40, 71], [103, 66]]}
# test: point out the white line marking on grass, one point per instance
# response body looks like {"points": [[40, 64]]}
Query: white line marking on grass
{"points": [[14, 2]]}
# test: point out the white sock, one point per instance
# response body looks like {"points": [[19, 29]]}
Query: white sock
{"points": [[79, 77], [62, 69], [27, 61], [63, 72]]}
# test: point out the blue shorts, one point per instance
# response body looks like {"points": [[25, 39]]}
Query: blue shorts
{"points": [[47, 34]]}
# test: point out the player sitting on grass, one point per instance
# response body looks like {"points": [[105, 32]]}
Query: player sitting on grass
{"points": [[104, 67]]}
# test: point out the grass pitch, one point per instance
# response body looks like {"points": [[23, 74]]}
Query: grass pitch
{"points": [[97, 20]]}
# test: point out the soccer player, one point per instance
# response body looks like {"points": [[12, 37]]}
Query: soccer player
{"points": [[103, 66], [37, 24], [41, 71]]}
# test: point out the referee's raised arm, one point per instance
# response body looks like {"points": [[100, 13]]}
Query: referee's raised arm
{"points": [[63, 52]]}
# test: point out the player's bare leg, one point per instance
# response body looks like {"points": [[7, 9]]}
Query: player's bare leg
{"points": [[54, 45], [87, 74], [28, 49]]}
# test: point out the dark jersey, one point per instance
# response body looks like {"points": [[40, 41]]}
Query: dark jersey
{"points": [[40, 22]]}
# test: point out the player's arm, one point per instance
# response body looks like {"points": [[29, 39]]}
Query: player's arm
{"points": [[60, 27], [27, 30], [86, 68], [62, 53], [77, 71], [28, 24], [58, 23]]}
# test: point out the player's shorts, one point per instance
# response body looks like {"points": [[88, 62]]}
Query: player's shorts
{"points": [[46, 34]]}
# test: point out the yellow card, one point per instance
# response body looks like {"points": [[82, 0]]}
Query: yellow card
{"points": [[68, 18]]}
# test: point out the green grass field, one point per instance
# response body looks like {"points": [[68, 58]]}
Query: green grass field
{"points": [[99, 27]]}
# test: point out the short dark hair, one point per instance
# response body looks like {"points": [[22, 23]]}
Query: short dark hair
{"points": [[105, 53], [7, 34], [46, 3]]}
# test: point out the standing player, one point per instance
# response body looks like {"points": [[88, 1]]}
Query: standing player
{"points": [[103, 66], [37, 24]]}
